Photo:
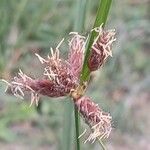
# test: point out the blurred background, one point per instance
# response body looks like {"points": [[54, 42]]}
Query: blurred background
{"points": [[121, 87]]}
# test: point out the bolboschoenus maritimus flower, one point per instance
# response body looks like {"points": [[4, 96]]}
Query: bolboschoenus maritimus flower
{"points": [[62, 78]]}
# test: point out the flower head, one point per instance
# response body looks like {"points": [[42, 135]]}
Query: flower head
{"points": [[62, 78], [101, 48], [99, 121]]}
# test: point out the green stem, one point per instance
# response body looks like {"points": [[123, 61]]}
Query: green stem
{"points": [[67, 134], [77, 121]]}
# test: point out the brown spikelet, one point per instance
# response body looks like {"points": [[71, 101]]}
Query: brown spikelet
{"points": [[76, 53], [101, 48], [99, 121]]}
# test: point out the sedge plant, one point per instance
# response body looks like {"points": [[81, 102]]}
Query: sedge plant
{"points": [[70, 77]]}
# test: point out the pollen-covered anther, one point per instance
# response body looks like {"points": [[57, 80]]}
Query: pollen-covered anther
{"points": [[101, 48], [55, 55], [41, 59], [99, 121]]}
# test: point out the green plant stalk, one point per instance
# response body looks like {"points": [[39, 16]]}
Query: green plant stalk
{"points": [[101, 17], [77, 126], [66, 133], [80, 11]]}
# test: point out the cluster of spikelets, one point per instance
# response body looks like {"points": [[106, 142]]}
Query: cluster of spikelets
{"points": [[62, 78]]}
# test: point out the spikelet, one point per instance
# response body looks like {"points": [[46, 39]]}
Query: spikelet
{"points": [[99, 121], [101, 48], [76, 53]]}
